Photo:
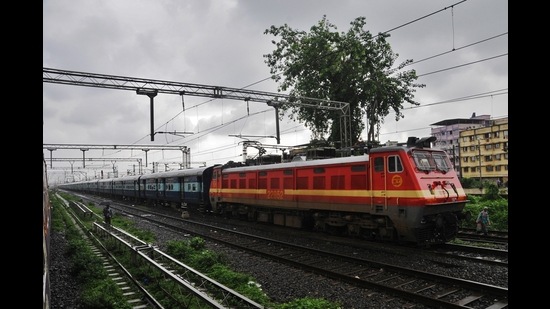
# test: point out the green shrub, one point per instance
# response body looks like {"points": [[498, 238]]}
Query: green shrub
{"points": [[104, 294], [309, 303], [498, 210]]}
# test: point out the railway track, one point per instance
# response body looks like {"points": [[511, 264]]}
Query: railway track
{"points": [[417, 286], [475, 253], [185, 286], [131, 289], [495, 237]]}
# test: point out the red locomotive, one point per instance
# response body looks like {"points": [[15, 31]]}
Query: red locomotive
{"points": [[405, 193], [402, 193]]}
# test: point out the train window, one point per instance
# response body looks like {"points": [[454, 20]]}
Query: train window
{"points": [[274, 183], [337, 182], [319, 170], [358, 168], [262, 173], [288, 172], [319, 182], [378, 164], [242, 175], [422, 160], [358, 182], [301, 183], [442, 162], [394, 164]]}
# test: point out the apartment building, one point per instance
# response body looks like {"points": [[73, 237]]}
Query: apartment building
{"points": [[484, 152], [448, 131]]}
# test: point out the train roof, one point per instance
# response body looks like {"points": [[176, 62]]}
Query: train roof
{"points": [[198, 171], [340, 160], [128, 178]]}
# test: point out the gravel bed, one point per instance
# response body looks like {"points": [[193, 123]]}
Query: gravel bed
{"points": [[282, 283], [63, 287]]}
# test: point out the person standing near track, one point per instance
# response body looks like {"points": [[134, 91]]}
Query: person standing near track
{"points": [[107, 213], [483, 221]]}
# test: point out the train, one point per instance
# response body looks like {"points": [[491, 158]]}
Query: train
{"points": [[403, 192]]}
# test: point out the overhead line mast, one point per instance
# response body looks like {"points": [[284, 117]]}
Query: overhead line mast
{"points": [[152, 87]]}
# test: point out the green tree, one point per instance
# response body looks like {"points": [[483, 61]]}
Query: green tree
{"points": [[354, 67]]}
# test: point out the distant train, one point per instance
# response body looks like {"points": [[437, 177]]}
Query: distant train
{"points": [[406, 193]]}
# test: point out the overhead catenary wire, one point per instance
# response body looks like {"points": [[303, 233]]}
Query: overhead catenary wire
{"points": [[205, 131]]}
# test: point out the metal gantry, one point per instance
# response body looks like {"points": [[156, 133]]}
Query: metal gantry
{"points": [[52, 147], [152, 87]]}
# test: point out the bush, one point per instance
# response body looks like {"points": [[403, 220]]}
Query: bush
{"points": [[498, 210], [309, 303]]}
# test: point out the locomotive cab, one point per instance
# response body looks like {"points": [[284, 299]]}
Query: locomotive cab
{"points": [[418, 191]]}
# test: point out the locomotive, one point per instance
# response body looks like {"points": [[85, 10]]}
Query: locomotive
{"points": [[406, 193]]}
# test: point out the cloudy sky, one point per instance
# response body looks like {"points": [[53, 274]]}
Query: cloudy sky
{"points": [[460, 49]]}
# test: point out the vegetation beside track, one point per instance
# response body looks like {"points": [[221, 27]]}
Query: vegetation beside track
{"points": [[498, 208], [99, 291]]}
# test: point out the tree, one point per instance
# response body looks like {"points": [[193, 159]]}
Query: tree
{"points": [[352, 67]]}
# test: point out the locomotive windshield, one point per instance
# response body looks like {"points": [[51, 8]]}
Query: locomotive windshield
{"points": [[430, 161]]}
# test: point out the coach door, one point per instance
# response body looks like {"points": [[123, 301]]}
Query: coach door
{"points": [[379, 182], [215, 188]]}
